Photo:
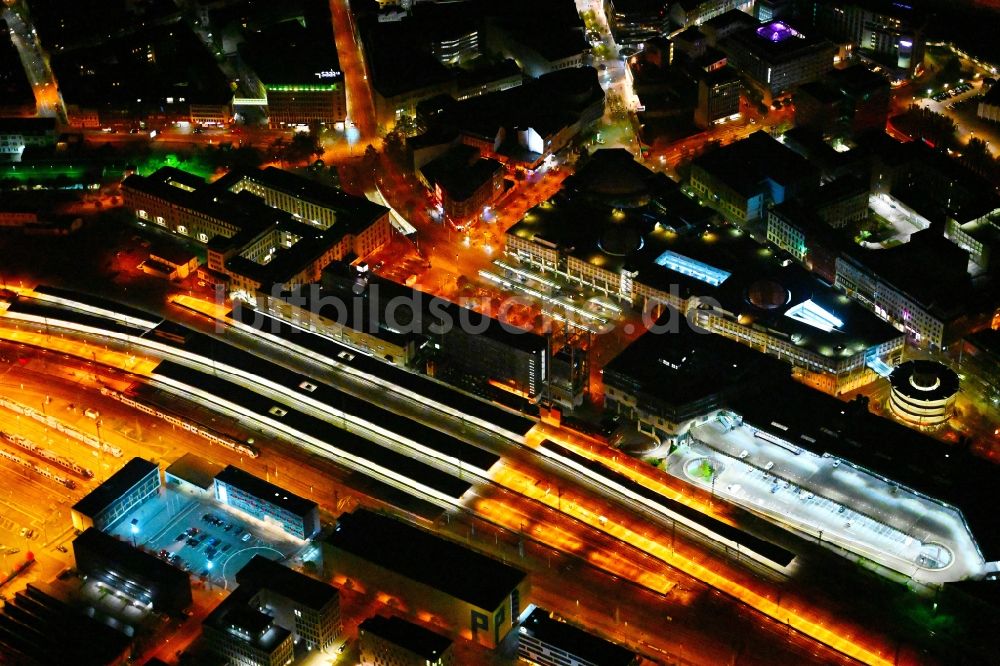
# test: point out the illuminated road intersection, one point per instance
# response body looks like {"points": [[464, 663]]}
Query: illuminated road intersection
{"points": [[831, 500]]}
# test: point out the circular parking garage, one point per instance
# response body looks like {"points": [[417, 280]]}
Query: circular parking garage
{"points": [[923, 393]]}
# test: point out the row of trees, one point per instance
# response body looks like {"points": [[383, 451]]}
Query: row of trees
{"points": [[941, 132]]}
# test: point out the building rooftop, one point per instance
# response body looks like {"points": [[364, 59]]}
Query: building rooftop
{"points": [[425, 558], [260, 573], [822, 423], [117, 485], [745, 165], [37, 628], [151, 68], [308, 53], [684, 365], [237, 617], [670, 252], [130, 561], [408, 311], [354, 213], [265, 491], [422, 642], [546, 104], [987, 340], [543, 627], [195, 470], [778, 42], [940, 283], [460, 171], [399, 60]]}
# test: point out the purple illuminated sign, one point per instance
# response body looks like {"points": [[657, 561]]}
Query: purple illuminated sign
{"points": [[776, 31]]}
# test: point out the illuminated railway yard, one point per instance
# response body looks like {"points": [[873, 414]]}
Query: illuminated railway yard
{"points": [[621, 525]]}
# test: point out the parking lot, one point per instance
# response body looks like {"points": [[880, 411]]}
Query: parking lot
{"points": [[209, 540]]}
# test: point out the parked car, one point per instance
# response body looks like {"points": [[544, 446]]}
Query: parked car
{"points": [[246, 537]]}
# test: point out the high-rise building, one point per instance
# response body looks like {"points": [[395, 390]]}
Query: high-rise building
{"points": [[889, 32], [777, 57]]}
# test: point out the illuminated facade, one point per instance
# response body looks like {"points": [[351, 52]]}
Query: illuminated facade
{"points": [[923, 393], [265, 501], [778, 57], [260, 227], [134, 484], [299, 105]]}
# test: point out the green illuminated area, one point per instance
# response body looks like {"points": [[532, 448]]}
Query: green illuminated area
{"points": [[191, 164], [40, 172], [304, 88]]}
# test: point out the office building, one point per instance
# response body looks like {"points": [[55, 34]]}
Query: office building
{"points": [[718, 97], [307, 607], [845, 102], [19, 134], [260, 227], [522, 126], [131, 486], [363, 226], [37, 628], [267, 502], [462, 183], [238, 631], [717, 30], [634, 22], [393, 641], [474, 595], [841, 203], [159, 73], [799, 231], [889, 32], [772, 10], [547, 641], [777, 57], [141, 576], [929, 305], [302, 86], [481, 354], [742, 179], [685, 13]]}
